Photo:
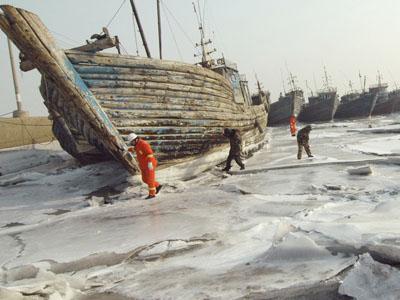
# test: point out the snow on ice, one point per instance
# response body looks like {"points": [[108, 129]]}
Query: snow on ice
{"points": [[282, 229]]}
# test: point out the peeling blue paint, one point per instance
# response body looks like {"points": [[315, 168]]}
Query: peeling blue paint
{"points": [[89, 97]]}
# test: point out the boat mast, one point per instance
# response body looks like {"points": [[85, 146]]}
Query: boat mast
{"points": [[292, 81], [379, 79], [363, 84], [326, 79], [19, 112], [258, 84], [312, 94], [203, 42], [283, 82], [140, 28], [159, 28], [350, 87]]}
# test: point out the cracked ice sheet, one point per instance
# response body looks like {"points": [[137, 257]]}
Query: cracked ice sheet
{"points": [[227, 270], [378, 146], [9, 244], [371, 280]]}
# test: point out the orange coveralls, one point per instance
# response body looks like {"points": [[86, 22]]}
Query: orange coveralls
{"points": [[292, 121], [147, 164]]}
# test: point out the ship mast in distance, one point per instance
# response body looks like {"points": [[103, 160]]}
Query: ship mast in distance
{"points": [[205, 53], [363, 83], [292, 82], [258, 83], [283, 82], [326, 79], [379, 78], [350, 85], [307, 86]]}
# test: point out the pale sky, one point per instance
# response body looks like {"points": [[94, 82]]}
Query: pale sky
{"points": [[262, 36]]}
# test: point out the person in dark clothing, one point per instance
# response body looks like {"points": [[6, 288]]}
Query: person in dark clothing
{"points": [[236, 148], [303, 137]]}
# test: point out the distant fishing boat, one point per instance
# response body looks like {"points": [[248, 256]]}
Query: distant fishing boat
{"points": [[384, 105], [322, 106], [355, 104], [395, 97], [287, 105], [95, 99]]}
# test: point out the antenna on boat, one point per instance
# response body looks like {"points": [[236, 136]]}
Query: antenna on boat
{"points": [[203, 42], [292, 78], [140, 28], [394, 80], [292, 81], [283, 82], [258, 83], [315, 82], [309, 89], [326, 79], [350, 86], [19, 112], [379, 78], [159, 28], [363, 83]]}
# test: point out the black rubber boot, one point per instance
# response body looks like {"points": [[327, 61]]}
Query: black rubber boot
{"points": [[158, 188]]}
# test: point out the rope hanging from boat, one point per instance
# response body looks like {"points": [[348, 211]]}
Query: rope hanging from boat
{"points": [[5, 114], [116, 13], [135, 33], [165, 7], [173, 35]]}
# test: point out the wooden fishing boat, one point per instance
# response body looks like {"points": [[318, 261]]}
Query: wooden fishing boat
{"points": [[95, 99]]}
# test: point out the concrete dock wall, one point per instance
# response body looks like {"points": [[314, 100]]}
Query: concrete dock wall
{"points": [[16, 132]]}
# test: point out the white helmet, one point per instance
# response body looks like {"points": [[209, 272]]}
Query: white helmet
{"points": [[131, 137]]}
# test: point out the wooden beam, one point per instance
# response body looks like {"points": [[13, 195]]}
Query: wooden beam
{"points": [[98, 45]]}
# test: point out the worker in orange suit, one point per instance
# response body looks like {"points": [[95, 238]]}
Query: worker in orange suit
{"points": [[292, 121], [147, 163]]}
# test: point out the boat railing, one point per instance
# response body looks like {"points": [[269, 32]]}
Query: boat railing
{"points": [[327, 90]]}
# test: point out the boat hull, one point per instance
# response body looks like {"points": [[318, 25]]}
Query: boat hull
{"points": [[280, 111], [361, 107], [322, 111], [395, 97], [179, 108], [384, 107]]}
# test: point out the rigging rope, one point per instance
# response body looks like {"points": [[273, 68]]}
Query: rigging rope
{"points": [[172, 33], [123, 48], [204, 13], [165, 7], [135, 33], [5, 114], [64, 36], [116, 13]]}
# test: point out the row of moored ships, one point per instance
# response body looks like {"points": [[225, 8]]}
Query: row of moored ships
{"points": [[326, 105]]}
